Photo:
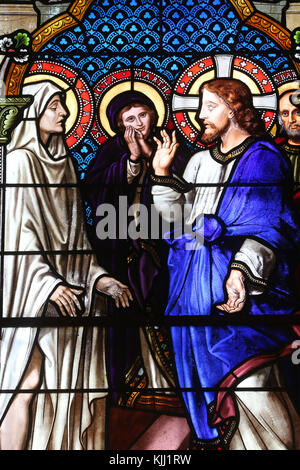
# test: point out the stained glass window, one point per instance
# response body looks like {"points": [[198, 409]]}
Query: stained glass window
{"points": [[149, 227]]}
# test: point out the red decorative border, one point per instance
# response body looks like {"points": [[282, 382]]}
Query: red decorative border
{"points": [[182, 87], [255, 72], [188, 77], [137, 75], [83, 94]]}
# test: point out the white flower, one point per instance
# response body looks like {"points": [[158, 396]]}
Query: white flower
{"points": [[5, 44], [23, 57]]}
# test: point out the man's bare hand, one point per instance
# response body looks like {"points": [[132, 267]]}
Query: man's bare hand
{"points": [[165, 153], [65, 298], [115, 289], [236, 292]]}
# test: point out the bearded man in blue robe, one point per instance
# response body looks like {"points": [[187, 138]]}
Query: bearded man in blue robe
{"points": [[235, 260]]}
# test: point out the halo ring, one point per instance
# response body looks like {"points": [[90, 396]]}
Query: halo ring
{"points": [[79, 99], [186, 90], [151, 85], [71, 101]]}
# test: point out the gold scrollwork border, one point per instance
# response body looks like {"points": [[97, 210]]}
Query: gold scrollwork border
{"points": [[76, 11], [267, 25], [47, 32], [79, 8], [244, 8], [14, 78], [272, 29], [41, 36]]}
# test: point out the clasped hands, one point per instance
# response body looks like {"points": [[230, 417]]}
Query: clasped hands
{"points": [[67, 299], [136, 143]]}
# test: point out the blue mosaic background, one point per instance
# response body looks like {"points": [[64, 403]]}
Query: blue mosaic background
{"points": [[163, 36]]}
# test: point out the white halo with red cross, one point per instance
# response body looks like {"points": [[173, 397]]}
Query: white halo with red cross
{"points": [[186, 100]]}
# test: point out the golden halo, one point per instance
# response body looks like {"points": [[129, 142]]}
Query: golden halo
{"points": [[289, 86], [71, 101], [140, 86]]}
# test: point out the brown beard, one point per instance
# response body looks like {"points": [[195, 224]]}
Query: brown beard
{"points": [[210, 134]]}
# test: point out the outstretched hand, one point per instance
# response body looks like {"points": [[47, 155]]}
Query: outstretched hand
{"points": [[236, 292], [115, 289], [165, 153]]}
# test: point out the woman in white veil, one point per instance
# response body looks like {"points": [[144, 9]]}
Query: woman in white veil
{"points": [[49, 269]]}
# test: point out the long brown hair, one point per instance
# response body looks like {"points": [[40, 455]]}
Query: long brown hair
{"points": [[238, 98]]}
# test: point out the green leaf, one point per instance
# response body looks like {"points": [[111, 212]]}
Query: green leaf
{"points": [[297, 37], [22, 39]]}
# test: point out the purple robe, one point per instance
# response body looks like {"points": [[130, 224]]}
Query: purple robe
{"points": [[147, 273]]}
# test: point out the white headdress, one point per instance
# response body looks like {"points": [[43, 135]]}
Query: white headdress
{"points": [[26, 135]]}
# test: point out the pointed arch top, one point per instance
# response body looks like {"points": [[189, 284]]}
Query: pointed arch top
{"points": [[41, 36]]}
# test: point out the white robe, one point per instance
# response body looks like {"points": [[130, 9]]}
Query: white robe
{"points": [[39, 219]]}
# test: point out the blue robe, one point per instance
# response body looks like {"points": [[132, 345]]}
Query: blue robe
{"points": [[256, 203]]}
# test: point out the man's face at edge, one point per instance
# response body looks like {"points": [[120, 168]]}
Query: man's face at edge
{"points": [[214, 116], [289, 117]]}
